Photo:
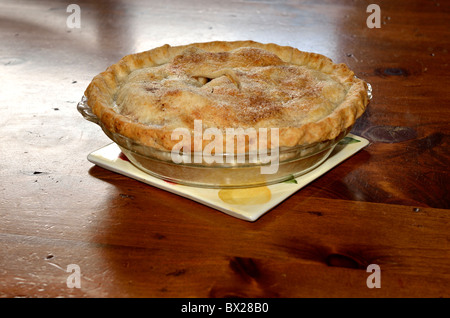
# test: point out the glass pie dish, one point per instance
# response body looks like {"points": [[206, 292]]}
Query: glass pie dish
{"points": [[292, 161]]}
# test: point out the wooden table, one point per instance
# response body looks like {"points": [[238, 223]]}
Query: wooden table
{"points": [[387, 205]]}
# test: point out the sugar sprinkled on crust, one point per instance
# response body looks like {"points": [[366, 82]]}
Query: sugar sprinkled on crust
{"points": [[253, 86]]}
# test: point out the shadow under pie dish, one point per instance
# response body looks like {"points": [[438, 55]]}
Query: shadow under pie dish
{"points": [[242, 86]]}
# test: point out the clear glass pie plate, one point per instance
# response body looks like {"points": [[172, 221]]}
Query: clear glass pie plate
{"points": [[292, 162]]}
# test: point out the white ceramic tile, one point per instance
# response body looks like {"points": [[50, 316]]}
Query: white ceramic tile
{"points": [[264, 198]]}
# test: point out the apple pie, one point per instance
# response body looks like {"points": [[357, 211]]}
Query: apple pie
{"points": [[242, 84]]}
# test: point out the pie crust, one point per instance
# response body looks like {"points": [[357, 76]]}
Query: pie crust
{"points": [[242, 84]]}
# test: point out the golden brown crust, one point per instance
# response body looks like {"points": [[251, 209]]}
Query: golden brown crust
{"points": [[115, 94]]}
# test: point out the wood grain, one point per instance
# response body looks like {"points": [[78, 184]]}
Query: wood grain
{"points": [[387, 205]]}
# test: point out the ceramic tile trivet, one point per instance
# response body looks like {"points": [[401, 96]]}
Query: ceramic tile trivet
{"points": [[246, 204]]}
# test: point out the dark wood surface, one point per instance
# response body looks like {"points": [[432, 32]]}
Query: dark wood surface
{"points": [[387, 205]]}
